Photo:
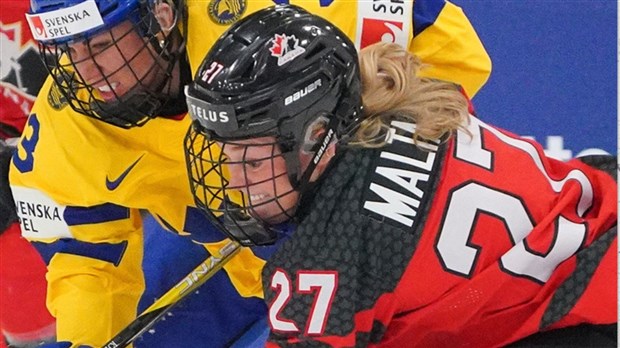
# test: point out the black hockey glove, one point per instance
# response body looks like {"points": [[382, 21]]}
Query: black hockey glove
{"points": [[7, 204]]}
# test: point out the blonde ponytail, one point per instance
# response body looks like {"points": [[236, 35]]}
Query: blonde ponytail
{"points": [[392, 91]]}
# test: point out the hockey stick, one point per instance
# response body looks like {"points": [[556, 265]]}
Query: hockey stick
{"points": [[164, 304]]}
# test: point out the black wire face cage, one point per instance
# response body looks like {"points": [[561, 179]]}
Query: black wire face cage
{"points": [[89, 80], [249, 210]]}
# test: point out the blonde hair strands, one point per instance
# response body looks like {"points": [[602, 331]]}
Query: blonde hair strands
{"points": [[393, 91]]}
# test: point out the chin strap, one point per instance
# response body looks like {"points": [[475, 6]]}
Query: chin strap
{"points": [[243, 227]]}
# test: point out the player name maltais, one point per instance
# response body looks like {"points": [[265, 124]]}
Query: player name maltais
{"points": [[398, 177]]}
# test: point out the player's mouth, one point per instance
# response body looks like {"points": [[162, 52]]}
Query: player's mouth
{"points": [[257, 198], [108, 91]]}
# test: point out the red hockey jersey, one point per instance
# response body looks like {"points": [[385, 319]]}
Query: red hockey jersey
{"points": [[478, 241]]}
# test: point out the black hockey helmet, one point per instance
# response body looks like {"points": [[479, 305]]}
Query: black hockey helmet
{"points": [[279, 72]]}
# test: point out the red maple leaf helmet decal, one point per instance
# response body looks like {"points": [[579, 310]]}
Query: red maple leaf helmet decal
{"points": [[279, 42], [285, 48]]}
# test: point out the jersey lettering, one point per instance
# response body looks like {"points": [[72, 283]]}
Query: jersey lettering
{"points": [[39, 216], [281, 285], [24, 158], [466, 202], [323, 284], [383, 21], [398, 185]]}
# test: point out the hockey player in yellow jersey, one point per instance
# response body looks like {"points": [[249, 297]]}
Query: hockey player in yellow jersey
{"points": [[81, 183], [436, 30]]}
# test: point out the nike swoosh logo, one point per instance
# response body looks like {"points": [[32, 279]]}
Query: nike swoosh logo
{"points": [[113, 184]]}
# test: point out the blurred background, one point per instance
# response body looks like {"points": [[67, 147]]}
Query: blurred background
{"points": [[555, 71]]}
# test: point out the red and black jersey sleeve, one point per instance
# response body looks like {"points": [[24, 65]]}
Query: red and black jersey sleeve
{"points": [[476, 241]]}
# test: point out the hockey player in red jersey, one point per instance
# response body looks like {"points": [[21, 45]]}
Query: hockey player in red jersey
{"points": [[417, 224]]}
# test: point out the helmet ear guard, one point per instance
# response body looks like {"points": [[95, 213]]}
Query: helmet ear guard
{"points": [[310, 140], [318, 134]]}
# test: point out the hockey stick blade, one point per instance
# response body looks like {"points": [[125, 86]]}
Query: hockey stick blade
{"points": [[176, 294]]}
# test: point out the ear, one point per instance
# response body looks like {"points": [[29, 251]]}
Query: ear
{"points": [[166, 16]]}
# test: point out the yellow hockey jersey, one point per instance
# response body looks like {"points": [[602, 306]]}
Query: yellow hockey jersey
{"points": [[435, 30], [80, 184]]}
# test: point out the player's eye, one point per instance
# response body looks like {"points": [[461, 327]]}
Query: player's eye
{"points": [[253, 164]]}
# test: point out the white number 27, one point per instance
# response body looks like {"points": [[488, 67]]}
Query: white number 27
{"points": [[472, 198], [322, 283]]}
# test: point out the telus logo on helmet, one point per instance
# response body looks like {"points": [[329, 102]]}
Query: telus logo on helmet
{"points": [[210, 115], [65, 22]]}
